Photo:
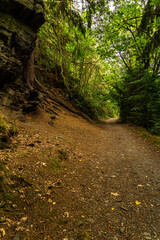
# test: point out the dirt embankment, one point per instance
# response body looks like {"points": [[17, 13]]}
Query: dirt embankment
{"points": [[72, 179]]}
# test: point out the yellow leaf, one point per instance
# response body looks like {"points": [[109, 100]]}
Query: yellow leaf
{"points": [[137, 203], [112, 209], [114, 194], [140, 185], [2, 232]]}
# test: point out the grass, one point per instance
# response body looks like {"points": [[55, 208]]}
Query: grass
{"points": [[6, 195], [83, 236], [56, 163], [151, 138], [7, 130]]}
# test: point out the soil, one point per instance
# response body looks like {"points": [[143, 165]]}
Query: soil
{"points": [[73, 179]]}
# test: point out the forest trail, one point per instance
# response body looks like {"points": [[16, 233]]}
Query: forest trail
{"points": [[103, 184]]}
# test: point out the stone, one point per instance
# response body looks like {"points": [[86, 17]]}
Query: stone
{"points": [[122, 229], [147, 236], [113, 176], [53, 116]]}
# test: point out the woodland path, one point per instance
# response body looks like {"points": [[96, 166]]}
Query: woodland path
{"points": [[107, 188]]}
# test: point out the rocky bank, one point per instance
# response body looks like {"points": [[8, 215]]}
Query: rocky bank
{"points": [[19, 24]]}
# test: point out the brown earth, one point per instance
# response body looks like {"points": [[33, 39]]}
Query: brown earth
{"points": [[73, 179]]}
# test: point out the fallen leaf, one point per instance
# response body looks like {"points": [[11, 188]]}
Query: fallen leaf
{"points": [[23, 219], [140, 185], [8, 220], [112, 209], [2, 232], [114, 194], [66, 214], [56, 137], [137, 203], [21, 229]]}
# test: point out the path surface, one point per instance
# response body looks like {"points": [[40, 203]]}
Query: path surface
{"points": [[108, 187]]}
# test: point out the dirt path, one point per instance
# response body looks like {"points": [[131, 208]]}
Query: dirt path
{"points": [[103, 184]]}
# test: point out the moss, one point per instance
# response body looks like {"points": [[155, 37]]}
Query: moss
{"points": [[151, 138], [83, 236], [7, 130], [63, 155], [54, 164]]}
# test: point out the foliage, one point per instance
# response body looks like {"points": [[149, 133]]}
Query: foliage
{"points": [[131, 35], [66, 44], [107, 56]]}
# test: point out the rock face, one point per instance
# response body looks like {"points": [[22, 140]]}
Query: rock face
{"points": [[19, 23]]}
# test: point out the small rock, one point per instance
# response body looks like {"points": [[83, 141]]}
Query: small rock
{"points": [[147, 236], [90, 220], [113, 176], [50, 200], [31, 144], [44, 164], [155, 234], [53, 117], [17, 237], [122, 230]]}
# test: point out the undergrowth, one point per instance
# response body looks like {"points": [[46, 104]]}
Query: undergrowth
{"points": [[151, 138], [7, 130], [7, 197]]}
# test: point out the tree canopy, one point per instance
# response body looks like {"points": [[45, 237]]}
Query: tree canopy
{"points": [[108, 54]]}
